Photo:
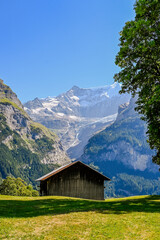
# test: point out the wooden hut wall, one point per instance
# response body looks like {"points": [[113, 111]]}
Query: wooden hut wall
{"points": [[77, 181]]}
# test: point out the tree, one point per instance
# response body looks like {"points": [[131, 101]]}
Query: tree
{"points": [[139, 60], [16, 187]]}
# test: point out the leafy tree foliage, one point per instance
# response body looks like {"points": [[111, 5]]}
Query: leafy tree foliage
{"points": [[139, 60], [16, 187]]}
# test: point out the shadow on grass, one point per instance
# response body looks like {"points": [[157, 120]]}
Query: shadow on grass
{"points": [[53, 206]]}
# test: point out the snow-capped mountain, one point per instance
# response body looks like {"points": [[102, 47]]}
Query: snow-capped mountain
{"points": [[77, 114]]}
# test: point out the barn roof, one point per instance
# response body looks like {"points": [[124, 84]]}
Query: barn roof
{"points": [[54, 172]]}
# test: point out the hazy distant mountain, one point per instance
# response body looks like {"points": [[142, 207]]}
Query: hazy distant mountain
{"points": [[77, 114], [27, 149]]}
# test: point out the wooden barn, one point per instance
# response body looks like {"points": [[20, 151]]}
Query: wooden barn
{"points": [[74, 180]]}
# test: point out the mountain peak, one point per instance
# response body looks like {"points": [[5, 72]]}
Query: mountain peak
{"points": [[6, 94], [1, 81], [78, 113], [75, 88]]}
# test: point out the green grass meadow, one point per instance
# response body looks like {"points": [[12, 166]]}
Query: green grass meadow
{"points": [[74, 219]]}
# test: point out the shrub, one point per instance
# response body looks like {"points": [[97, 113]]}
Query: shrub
{"points": [[16, 187]]}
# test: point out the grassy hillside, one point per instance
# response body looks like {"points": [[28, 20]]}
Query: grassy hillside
{"points": [[74, 219]]}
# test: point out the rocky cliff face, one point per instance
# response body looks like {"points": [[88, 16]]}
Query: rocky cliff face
{"points": [[122, 153], [77, 114], [28, 149], [123, 143]]}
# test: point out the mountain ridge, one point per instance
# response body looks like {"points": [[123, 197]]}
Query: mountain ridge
{"points": [[77, 114]]}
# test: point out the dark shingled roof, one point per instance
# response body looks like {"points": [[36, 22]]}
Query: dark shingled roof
{"points": [[54, 172]]}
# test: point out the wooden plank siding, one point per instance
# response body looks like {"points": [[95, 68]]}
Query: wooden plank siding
{"points": [[75, 181]]}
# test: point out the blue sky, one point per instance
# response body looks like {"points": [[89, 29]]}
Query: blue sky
{"points": [[47, 46]]}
